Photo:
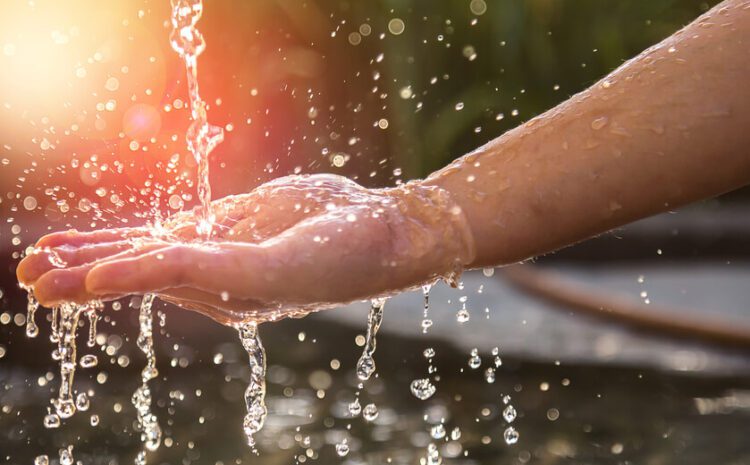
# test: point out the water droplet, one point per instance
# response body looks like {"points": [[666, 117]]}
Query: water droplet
{"points": [[94, 420], [437, 431], [370, 412], [342, 449], [509, 414], [475, 361], [433, 455], [510, 435], [355, 408], [82, 402], [599, 123], [422, 388], [489, 375], [366, 363], [429, 353], [463, 315], [396, 26], [88, 361], [41, 460], [51, 420], [66, 456]]}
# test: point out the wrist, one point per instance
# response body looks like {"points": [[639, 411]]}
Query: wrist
{"points": [[437, 233]]}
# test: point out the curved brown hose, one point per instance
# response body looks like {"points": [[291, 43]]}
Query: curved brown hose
{"points": [[551, 287]]}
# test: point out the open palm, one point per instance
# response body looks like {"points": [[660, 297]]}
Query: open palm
{"points": [[293, 245]]}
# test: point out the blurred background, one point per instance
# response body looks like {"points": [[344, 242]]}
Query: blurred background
{"points": [[92, 121]]}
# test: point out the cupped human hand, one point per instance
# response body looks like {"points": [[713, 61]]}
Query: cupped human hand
{"points": [[294, 245]]}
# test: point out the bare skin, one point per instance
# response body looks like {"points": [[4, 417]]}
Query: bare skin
{"points": [[667, 128]]}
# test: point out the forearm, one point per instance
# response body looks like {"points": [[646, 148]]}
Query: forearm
{"points": [[667, 128]]}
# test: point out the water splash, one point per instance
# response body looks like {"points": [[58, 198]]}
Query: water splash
{"points": [[366, 363], [255, 394], [201, 136], [147, 422]]}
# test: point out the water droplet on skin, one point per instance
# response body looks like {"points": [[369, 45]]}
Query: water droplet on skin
{"points": [[422, 388], [510, 435], [599, 123], [509, 414], [370, 412]]}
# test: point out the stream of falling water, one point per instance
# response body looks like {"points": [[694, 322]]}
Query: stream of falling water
{"points": [[255, 394], [366, 363], [147, 421], [201, 136], [65, 405]]}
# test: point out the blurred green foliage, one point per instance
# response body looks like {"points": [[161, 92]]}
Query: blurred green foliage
{"points": [[530, 55]]}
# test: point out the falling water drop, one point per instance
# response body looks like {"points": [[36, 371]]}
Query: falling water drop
{"points": [[474, 360], [51, 420], [510, 435], [32, 330], [256, 391], [433, 455], [370, 412], [422, 388], [509, 414], [426, 322], [342, 448], [366, 363], [66, 346], [66, 456], [147, 422], [88, 361], [355, 408], [93, 319]]}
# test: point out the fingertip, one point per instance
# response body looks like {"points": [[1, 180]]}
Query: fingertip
{"points": [[33, 266], [56, 238], [52, 288]]}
